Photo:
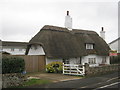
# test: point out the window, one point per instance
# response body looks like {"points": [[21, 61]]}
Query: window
{"points": [[92, 60], [12, 49], [89, 46], [20, 49], [103, 60], [66, 61]]}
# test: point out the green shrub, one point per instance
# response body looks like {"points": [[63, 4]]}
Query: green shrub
{"points": [[54, 67], [12, 65]]}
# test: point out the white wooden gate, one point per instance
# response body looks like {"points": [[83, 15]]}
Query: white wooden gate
{"points": [[73, 69]]}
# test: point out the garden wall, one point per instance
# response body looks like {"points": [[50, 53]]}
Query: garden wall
{"points": [[12, 79], [91, 71]]}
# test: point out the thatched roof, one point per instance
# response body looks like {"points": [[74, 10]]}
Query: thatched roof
{"points": [[59, 42]]}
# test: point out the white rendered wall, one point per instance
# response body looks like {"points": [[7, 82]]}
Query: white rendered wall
{"points": [[71, 60], [53, 60], [84, 60], [75, 60], [36, 51], [108, 60], [98, 59], [17, 50]]}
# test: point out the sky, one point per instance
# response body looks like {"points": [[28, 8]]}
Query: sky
{"points": [[20, 20]]}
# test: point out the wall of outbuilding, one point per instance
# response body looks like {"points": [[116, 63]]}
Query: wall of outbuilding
{"points": [[18, 50]]}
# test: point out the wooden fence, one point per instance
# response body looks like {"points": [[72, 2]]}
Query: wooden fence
{"points": [[34, 63]]}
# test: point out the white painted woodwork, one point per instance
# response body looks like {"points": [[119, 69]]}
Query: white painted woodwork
{"points": [[73, 69]]}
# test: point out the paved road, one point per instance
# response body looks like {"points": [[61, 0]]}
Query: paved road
{"points": [[103, 81], [112, 85]]}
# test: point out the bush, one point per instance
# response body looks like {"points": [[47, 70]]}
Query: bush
{"points": [[12, 65], [54, 67]]}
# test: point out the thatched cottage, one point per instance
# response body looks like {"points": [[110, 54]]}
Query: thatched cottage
{"points": [[69, 45], [76, 46]]}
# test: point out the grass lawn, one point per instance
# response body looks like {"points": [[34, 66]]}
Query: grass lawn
{"points": [[35, 82], [32, 82]]}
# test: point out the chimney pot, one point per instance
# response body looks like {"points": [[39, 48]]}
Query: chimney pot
{"points": [[102, 28], [67, 12]]}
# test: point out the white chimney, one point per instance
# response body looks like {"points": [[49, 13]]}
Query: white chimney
{"points": [[102, 33], [68, 21]]}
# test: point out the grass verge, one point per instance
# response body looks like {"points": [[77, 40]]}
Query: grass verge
{"points": [[35, 82], [32, 82]]}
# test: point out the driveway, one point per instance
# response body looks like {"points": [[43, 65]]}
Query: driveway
{"points": [[53, 77]]}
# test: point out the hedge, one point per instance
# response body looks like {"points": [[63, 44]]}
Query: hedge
{"points": [[12, 65], [54, 67]]}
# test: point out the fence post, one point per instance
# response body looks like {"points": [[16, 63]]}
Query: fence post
{"points": [[77, 70], [63, 68], [86, 68], [83, 69], [70, 68]]}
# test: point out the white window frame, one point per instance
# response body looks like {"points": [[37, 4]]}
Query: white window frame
{"points": [[92, 60], [89, 46]]}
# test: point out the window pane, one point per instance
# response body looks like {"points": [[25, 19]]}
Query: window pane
{"points": [[12, 49], [89, 46], [92, 60]]}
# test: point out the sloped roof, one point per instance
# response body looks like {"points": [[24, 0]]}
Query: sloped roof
{"points": [[11, 43], [59, 42], [115, 40]]}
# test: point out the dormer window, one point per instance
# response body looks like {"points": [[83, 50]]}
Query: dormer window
{"points": [[89, 46]]}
